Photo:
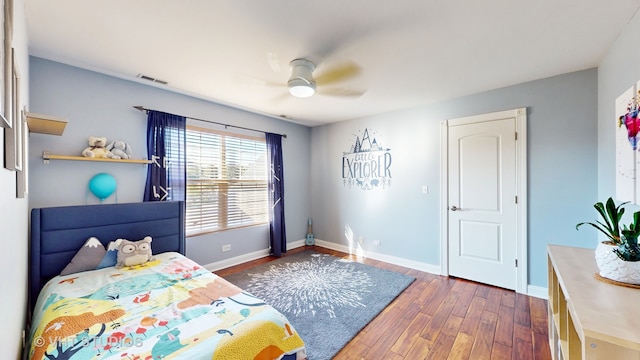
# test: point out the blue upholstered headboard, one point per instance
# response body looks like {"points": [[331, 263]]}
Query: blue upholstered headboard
{"points": [[58, 232]]}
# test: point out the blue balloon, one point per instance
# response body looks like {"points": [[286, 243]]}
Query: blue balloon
{"points": [[102, 185]]}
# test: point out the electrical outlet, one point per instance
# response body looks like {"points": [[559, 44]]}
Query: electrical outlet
{"points": [[376, 242], [425, 189], [226, 247]]}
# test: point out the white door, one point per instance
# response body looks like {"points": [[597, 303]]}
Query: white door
{"points": [[482, 199]]}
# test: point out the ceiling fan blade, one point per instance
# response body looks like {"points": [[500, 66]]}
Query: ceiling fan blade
{"points": [[340, 72], [341, 92], [257, 82], [281, 97], [275, 84]]}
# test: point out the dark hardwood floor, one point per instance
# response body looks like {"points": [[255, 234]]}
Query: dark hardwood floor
{"points": [[439, 317]]}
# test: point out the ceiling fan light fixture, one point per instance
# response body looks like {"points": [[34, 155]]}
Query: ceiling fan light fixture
{"points": [[301, 83], [301, 88]]}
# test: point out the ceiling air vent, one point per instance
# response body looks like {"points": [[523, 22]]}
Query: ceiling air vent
{"points": [[149, 78]]}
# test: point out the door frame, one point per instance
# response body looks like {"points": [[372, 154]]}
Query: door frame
{"points": [[520, 115]]}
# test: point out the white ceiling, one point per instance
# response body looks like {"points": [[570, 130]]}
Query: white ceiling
{"points": [[411, 52]]}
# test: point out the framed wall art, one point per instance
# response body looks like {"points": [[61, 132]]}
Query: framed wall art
{"points": [[22, 177], [6, 30], [3, 120], [13, 140], [627, 122]]}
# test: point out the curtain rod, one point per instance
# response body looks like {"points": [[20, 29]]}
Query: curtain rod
{"points": [[143, 109]]}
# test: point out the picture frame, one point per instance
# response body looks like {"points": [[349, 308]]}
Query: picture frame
{"points": [[5, 63], [3, 119], [22, 176], [13, 156]]}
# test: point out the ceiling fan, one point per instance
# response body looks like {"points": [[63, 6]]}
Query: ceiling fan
{"points": [[303, 84]]}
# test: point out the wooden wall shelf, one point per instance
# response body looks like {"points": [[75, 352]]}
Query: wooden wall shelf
{"points": [[45, 124], [588, 318], [46, 157]]}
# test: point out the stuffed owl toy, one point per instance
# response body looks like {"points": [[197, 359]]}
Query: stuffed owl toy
{"points": [[134, 252]]}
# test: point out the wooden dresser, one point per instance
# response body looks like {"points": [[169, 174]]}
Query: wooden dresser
{"points": [[589, 318]]}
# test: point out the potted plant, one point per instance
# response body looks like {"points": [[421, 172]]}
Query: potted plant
{"points": [[618, 258], [628, 249]]}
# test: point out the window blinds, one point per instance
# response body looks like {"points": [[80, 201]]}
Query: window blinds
{"points": [[226, 181]]}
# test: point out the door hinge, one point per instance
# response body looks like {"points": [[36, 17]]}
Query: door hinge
{"points": [[516, 262], [516, 199], [516, 136]]}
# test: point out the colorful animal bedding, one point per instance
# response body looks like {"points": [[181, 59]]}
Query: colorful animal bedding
{"points": [[169, 308]]}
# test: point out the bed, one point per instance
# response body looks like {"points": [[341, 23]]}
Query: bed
{"points": [[167, 307]]}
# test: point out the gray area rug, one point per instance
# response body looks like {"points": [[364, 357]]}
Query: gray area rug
{"points": [[327, 299]]}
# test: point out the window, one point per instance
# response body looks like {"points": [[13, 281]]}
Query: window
{"points": [[226, 181]]}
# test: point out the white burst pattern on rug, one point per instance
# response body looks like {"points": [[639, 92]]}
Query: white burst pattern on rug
{"points": [[312, 286]]}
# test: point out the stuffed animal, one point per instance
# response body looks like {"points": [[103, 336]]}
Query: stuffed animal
{"points": [[134, 252], [97, 148], [120, 149]]}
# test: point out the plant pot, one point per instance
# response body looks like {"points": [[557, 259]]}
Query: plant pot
{"points": [[614, 268]]}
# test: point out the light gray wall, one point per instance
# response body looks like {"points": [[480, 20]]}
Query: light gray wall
{"points": [[562, 131], [14, 220], [101, 105]]}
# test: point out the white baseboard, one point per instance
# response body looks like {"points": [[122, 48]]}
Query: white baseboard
{"points": [[236, 260], [538, 291], [296, 244], [532, 290], [411, 264]]}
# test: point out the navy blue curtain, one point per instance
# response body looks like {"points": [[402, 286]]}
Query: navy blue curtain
{"points": [[277, 232], [166, 147]]}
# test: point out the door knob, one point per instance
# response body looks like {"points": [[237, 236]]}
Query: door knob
{"points": [[455, 208]]}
